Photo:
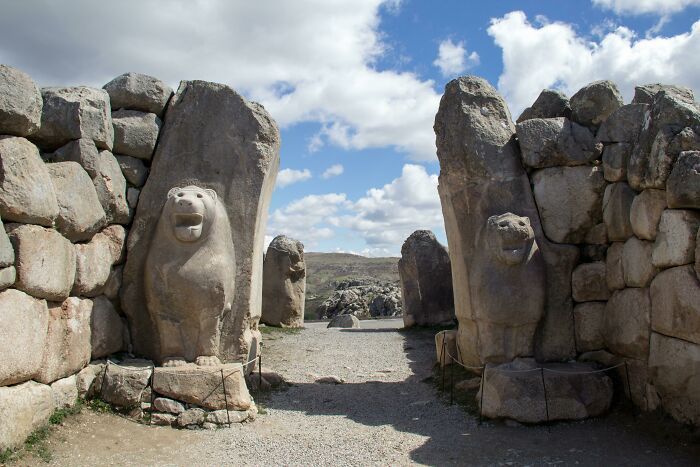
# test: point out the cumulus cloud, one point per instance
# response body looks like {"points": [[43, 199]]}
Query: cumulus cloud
{"points": [[452, 58], [640, 7], [275, 52], [333, 171], [553, 55], [286, 177]]}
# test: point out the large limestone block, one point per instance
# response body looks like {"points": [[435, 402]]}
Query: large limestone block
{"points": [[67, 348], [589, 321], [614, 273], [623, 125], [23, 409], [645, 93], [94, 260], [72, 113], [123, 384], [135, 133], [83, 151], [683, 185], [22, 336], [593, 103], [569, 200], [45, 262], [284, 283], [114, 283], [138, 92], [426, 281], [549, 104], [556, 141], [674, 367], [675, 242], [588, 282], [231, 146], [481, 176], [204, 387], [26, 191], [80, 213], [626, 327], [134, 170], [106, 329], [111, 188], [7, 253], [20, 103], [615, 159], [645, 213], [675, 304], [637, 267], [8, 276], [572, 394], [65, 392], [617, 203]]}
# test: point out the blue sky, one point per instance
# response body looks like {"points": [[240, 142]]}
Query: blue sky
{"points": [[355, 84]]}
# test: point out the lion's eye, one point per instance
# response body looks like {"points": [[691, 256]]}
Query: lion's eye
{"points": [[199, 195], [180, 195]]}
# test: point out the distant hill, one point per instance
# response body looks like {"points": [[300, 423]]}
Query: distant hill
{"points": [[324, 270]]}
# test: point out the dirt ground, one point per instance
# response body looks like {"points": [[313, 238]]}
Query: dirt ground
{"points": [[387, 412]]}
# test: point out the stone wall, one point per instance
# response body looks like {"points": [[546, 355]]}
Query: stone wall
{"points": [[617, 183], [73, 162]]}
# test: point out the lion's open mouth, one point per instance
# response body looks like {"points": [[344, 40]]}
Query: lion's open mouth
{"points": [[188, 226], [188, 220]]}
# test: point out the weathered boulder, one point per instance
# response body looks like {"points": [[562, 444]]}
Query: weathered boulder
{"points": [[614, 273], [45, 262], [111, 188], [7, 253], [556, 141], [20, 103], [221, 417], [65, 392], [569, 200], [67, 348], [123, 384], [675, 304], [80, 213], [23, 408], [83, 151], [163, 404], [683, 185], [598, 235], [284, 283], [135, 133], [426, 281], [106, 329], [644, 94], [446, 340], [163, 419], [674, 366], [637, 267], [204, 387], [481, 176], [132, 197], [114, 283], [645, 213], [191, 417], [572, 394], [589, 319], [236, 148], [22, 336], [617, 203], [588, 282], [675, 242], [72, 113], [593, 103], [627, 369], [8, 276], [138, 92], [344, 321], [133, 169], [94, 260], [26, 191], [615, 159], [84, 379], [626, 327], [549, 104], [623, 125]]}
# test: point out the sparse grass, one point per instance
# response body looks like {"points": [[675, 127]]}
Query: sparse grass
{"points": [[59, 415], [453, 375], [98, 405], [36, 443], [271, 330], [262, 410], [6, 456]]}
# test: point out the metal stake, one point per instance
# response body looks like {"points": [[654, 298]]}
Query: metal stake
{"points": [[481, 403], [627, 375], [223, 383], [259, 372], [104, 377], [452, 380], [544, 387], [442, 362], [153, 393]]}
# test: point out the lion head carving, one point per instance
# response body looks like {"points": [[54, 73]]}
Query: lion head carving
{"points": [[190, 211], [510, 237]]}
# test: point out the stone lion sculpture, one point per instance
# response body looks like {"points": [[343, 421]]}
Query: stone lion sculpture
{"points": [[508, 289], [190, 276]]}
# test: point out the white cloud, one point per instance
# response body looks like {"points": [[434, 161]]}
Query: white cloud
{"points": [[640, 7], [286, 177], [276, 52], [452, 58], [333, 171], [553, 55]]}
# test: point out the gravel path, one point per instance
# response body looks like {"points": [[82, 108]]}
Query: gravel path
{"points": [[384, 414]]}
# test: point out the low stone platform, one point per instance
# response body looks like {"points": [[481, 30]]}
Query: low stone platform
{"points": [[574, 391]]}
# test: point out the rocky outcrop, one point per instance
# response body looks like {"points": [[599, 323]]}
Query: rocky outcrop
{"points": [[363, 298], [284, 283], [426, 281]]}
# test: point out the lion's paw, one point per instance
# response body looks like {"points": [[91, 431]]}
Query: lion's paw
{"points": [[208, 360]]}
